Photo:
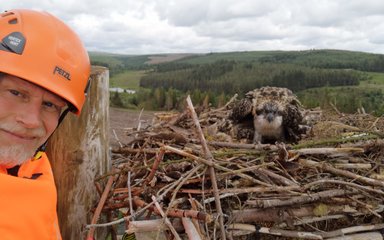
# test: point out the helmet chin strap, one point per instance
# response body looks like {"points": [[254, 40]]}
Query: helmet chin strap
{"points": [[43, 147]]}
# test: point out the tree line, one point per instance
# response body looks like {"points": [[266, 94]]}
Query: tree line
{"points": [[165, 86], [230, 77]]}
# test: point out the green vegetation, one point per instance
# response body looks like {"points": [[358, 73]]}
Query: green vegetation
{"points": [[119, 63], [348, 80], [129, 79], [336, 59], [230, 77]]}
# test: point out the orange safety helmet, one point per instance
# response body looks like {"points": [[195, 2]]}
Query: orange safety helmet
{"points": [[41, 49]]}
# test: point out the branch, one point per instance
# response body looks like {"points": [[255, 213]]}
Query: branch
{"points": [[212, 173]]}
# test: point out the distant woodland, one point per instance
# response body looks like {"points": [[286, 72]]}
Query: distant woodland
{"points": [[318, 77]]}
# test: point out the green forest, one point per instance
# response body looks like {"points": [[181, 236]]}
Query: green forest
{"points": [[345, 79]]}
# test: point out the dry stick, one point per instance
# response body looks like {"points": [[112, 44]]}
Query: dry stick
{"points": [[212, 173], [353, 165], [130, 195], [226, 105], [277, 215], [366, 206], [305, 235], [146, 226], [234, 191], [98, 188], [328, 168], [374, 235], [354, 185], [274, 231], [284, 214], [212, 164], [177, 190], [155, 166], [99, 207], [344, 231], [312, 219], [117, 139], [166, 220], [300, 200], [248, 169], [177, 213], [178, 183], [127, 150], [277, 177], [335, 152], [190, 229], [138, 125], [259, 147], [127, 218]]}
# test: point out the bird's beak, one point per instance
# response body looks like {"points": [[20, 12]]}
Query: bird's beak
{"points": [[270, 117]]}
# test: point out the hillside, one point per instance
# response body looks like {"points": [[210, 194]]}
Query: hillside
{"points": [[348, 79], [318, 57]]}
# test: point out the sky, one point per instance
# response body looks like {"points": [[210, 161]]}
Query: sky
{"points": [[203, 26]]}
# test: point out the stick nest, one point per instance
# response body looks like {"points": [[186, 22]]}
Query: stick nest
{"points": [[329, 184]]}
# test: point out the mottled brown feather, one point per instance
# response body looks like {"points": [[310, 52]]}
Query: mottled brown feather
{"points": [[288, 104]]}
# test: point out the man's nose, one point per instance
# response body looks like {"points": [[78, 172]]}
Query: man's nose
{"points": [[30, 115]]}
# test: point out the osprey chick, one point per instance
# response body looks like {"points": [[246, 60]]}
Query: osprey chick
{"points": [[275, 113]]}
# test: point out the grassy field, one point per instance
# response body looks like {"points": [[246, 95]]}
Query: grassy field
{"points": [[375, 80], [127, 80], [130, 79]]}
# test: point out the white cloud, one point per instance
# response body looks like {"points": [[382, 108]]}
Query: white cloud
{"points": [[159, 26]]}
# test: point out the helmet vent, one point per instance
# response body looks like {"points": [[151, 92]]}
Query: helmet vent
{"points": [[11, 15], [13, 21]]}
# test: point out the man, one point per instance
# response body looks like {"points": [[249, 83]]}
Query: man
{"points": [[44, 70]]}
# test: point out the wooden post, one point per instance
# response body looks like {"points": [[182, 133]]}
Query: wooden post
{"points": [[79, 152]]}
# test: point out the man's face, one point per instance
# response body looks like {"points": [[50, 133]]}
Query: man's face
{"points": [[28, 116]]}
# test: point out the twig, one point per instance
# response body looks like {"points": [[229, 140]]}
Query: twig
{"points": [[332, 152], [299, 200], [353, 165], [178, 182], [274, 231], [328, 168], [117, 139], [139, 120], [212, 173], [355, 229], [130, 195], [99, 207], [335, 108], [257, 147], [190, 229], [277, 177], [226, 105], [212, 164], [155, 165], [339, 182], [166, 220], [178, 213], [235, 191]]}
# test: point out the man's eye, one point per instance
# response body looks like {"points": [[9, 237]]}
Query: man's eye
{"points": [[15, 92], [51, 107]]}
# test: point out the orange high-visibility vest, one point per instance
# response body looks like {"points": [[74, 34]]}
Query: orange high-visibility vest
{"points": [[28, 202]]}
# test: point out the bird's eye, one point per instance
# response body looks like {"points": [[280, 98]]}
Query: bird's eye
{"points": [[259, 111]]}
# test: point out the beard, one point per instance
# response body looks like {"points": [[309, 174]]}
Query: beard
{"points": [[12, 154]]}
